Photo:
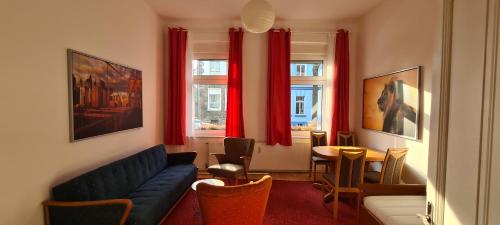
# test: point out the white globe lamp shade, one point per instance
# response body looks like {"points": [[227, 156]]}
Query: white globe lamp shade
{"points": [[257, 16]]}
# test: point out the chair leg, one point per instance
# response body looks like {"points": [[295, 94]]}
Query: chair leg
{"points": [[314, 172], [357, 205], [310, 167], [336, 204], [246, 177]]}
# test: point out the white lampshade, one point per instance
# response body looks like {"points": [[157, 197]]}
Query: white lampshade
{"points": [[257, 16]]}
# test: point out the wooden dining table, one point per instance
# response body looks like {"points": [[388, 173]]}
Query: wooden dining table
{"points": [[332, 152]]}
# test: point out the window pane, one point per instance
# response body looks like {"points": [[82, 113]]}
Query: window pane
{"points": [[306, 107], [209, 102], [306, 68], [209, 67]]}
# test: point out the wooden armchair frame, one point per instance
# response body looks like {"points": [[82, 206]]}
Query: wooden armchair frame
{"points": [[127, 204]]}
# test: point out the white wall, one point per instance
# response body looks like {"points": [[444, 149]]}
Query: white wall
{"points": [[275, 158], [398, 34], [35, 152]]}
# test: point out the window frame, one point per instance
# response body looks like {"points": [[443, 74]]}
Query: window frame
{"points": [[217, 92], [209, 80], [300, 72], [299, 105], [310, 80]]}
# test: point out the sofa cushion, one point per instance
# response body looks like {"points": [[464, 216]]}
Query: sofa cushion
{"points": [[154, 198], [114, 180], [392, 210]]}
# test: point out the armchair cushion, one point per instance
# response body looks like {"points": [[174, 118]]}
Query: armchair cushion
{"points": [[226, 170]]}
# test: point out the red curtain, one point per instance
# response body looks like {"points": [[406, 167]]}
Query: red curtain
{"points": [[234, 117], [175, 110], [340, 118], [278, 94]]}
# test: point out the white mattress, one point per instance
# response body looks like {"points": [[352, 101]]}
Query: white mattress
{"points": [[396, 210]]}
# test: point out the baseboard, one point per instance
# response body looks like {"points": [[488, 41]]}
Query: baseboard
{"points": [[264, 171]]}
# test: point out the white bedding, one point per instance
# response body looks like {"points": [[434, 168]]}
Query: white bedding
{"points": [[396, 210]]}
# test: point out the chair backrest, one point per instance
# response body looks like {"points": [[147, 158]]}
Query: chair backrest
{"points": [[237, 147], [393, 165], [345, 138], [242, 204], [350, 168], [318, 138]]}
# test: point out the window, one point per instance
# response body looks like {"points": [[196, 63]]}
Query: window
{"points": [[306, 68], [210, 67], [301, 69], [214, 99], [209, 95], [306, 95], [299, 105]]}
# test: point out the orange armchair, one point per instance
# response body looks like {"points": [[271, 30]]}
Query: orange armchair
{"points": [[243, 204]]}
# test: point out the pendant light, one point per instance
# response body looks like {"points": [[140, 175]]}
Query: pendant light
{"points": [[257, 16]]}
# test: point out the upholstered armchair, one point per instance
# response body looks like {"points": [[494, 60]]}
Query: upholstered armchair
{"points": [[235, 161], [241, 204]]}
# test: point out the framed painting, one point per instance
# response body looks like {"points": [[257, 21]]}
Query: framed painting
{"points": [[391, 103], [105, 97]]}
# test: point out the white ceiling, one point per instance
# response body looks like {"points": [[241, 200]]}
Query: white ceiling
{"points": [[285, 9]]}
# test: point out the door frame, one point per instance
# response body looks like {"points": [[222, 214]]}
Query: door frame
{"points": [[438, 153]]}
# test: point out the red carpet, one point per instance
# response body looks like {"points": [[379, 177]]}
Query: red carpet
{"points": [[290, 203]]}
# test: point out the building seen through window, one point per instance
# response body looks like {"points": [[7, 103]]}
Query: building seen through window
{"points": [[209, 94], [306, 95]]}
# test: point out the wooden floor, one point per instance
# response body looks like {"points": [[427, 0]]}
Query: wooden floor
{"points": [[292, 176]]}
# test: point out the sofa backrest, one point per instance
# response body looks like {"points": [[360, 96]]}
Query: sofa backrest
{"points": [[114, 180]]}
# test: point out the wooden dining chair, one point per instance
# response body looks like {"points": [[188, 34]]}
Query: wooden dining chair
{"points": [[348, 175], [346, 138], [318, 138], [392, 168]]}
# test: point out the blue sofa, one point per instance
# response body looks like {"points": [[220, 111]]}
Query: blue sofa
{"points": [[138, 190]]}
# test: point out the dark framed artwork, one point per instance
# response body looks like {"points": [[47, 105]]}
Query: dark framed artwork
{"points": [[105, 97], [391, 103]]}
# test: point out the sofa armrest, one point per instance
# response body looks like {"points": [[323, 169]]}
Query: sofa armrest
{"points": [[181, 158], [102, 212], [392, 189]]}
